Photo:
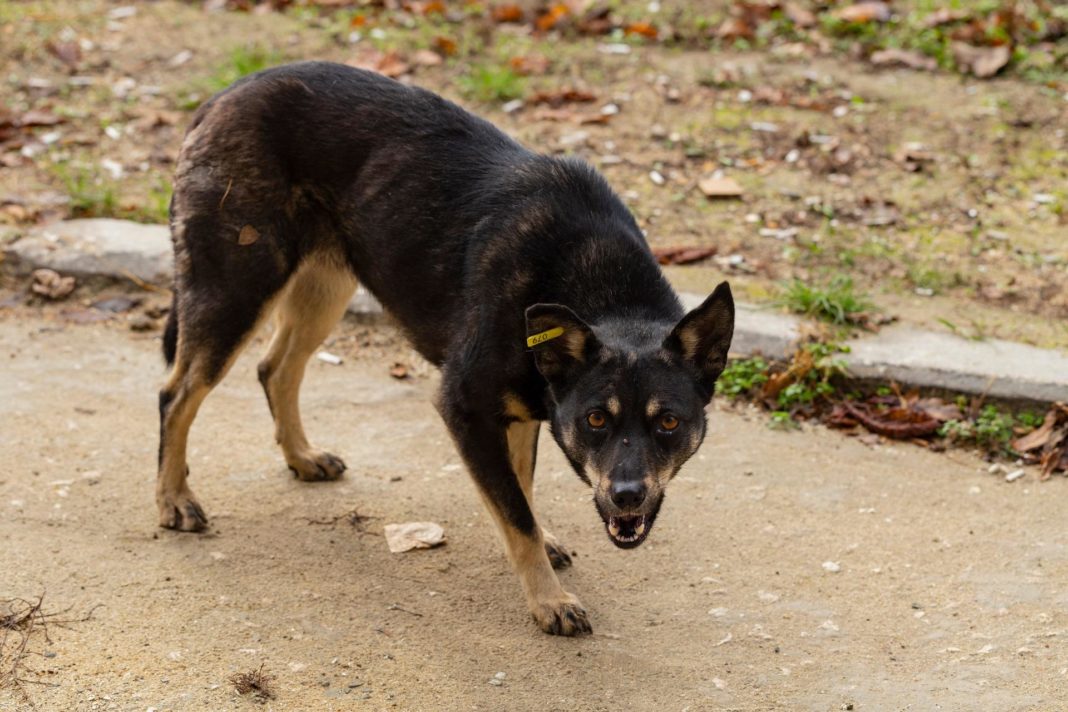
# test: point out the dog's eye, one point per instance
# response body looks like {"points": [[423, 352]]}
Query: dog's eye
{"points": [[668, 422], [596, 419]]}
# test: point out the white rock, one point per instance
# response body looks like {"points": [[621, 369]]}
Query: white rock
{"points": [[832, 566]]}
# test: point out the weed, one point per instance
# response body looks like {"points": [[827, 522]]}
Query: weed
{"points": [[90, 195], [492, 83], [743, 377], [242, 61], [837, 302], [782, 420], [991, 430], [257, 683], [814, 381]]}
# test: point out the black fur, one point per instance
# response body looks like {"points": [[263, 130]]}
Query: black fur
{"points": [[457, 230]]}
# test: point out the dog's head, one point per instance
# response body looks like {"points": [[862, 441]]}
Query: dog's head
{"points": [[629, 399]]}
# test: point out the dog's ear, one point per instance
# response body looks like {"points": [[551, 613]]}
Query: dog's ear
{"points": [[561, 341], [703, 337]]}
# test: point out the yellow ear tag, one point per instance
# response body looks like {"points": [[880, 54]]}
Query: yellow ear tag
{"points": [[544, 336]]}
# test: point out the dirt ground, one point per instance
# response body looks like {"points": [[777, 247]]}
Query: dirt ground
{"points": [[949, 595]]}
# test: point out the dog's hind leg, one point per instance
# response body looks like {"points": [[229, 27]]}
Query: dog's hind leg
{"points": [[207, 345], [310, 306], [523, 451]]}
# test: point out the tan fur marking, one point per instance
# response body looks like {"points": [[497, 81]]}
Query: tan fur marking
{"points": [[614, 406], [652, 407], [311, 304], [516, 408]]}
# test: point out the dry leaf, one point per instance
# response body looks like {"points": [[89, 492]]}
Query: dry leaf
{"points": [[799, 15], [983, 62], [531, 64], [507, 13], [49, 283], [399, 371], [563, 96], [903, 58], [645, 29], [720, 187], [552, 17], [446, 46], [67, 52], [864, 12], [426, 58], [39, 117], [682, 255], [413, 535]]}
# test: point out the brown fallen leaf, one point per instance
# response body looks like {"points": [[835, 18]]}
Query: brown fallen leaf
{"points": [[445, 45], [399, 371], [389, 64], [582, 118], [507, 13], [799, 14], [903, 58], [983, 62], [682, 255], [530, 64], [864, 12], [413, 535], [67, 52], [560, 97], [50, 284], [899, 423], [944, 16], [552, 17], [426, 58], [720, 187], [39, 117], [644, 29]]}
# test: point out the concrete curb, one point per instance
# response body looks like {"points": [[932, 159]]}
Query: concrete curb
{"points": [[117, 249]]}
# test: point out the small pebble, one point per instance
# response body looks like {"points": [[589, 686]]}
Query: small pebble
{"points": [[832, 566], [1014, 475]]}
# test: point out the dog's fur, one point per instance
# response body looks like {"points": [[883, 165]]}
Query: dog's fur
{"points": [[298, 181]]}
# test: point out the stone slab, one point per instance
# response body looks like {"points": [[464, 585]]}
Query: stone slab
{"points": [[98, 247], [1001, 369]]}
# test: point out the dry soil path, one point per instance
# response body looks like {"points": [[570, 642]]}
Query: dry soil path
{"points": [[951, 592]]}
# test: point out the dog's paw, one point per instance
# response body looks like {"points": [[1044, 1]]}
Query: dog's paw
{"points": [[316, 466], [557, 552], [181, 511], [564, 616]]}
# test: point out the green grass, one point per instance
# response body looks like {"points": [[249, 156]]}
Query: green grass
{"points": [[90, 194], [241, 62], [836, 301], [991, 430], [93, 195], [487, 83]]}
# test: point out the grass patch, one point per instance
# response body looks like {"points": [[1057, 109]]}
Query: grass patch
{"points": [[241, 62], [487, 83], [95, 196], [836, 301]]}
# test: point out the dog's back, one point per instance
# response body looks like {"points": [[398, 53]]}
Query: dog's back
{"points": [[398, 182]]}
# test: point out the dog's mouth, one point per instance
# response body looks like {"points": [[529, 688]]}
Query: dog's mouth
{"points": [[629, 532]]}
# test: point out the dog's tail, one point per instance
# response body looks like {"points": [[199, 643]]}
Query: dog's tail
{"points": [[170, 332]]}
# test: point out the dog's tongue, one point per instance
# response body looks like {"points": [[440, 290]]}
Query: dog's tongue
{"points": [[626, 529]]}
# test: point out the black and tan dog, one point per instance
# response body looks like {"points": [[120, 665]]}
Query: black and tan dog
{"points": [[522, 276]]}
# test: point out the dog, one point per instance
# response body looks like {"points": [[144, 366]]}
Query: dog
{"points": [[523, 277]]}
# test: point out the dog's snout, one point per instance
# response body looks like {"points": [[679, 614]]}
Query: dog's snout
{"points": [[628, 495]]}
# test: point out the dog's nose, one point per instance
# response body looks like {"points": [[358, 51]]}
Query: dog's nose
{"points": [[628, 495]]}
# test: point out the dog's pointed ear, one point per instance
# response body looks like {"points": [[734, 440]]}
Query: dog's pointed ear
{"points": [[560, 340], [703, 337]]}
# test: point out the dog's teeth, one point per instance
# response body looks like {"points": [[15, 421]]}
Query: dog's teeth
{"points": [[640, 529], [613, 528]]}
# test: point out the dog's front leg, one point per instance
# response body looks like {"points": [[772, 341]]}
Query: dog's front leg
{"points": [[483, 443]]}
